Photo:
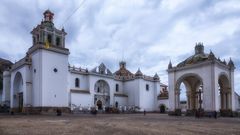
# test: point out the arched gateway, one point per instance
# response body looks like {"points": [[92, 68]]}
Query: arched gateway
{"points": [[18, 92], [209, 82]]}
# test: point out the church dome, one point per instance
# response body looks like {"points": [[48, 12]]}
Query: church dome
{"points": [[198, 57], [123, 71]]}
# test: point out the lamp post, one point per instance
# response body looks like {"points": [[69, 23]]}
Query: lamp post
{"points": [[199, 93]]}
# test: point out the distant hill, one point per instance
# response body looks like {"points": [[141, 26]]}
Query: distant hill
{"points": [[4, 64]]}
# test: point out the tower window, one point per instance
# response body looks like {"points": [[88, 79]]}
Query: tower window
{"points": [[77, 82], [38, 38], [147, 87], [58, 42], [34, 40], [117, 87], [49, 38]]}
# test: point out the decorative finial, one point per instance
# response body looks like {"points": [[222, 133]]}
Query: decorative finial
{"points": [[170, 65], [48, 16], [211, 56], [138, 73], [156, 77], [231, 64], [224, 62]]}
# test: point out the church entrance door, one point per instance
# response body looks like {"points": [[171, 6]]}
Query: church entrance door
{"points": [[162, 108], [99, 104], [20, 105]]}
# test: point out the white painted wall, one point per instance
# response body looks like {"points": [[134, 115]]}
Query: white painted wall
{"points": [[131, 88], [37, 78], [83, 80], [54, 84], [146, 98], [81, 99], [122, 101]]}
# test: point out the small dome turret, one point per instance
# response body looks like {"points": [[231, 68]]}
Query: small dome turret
{"points": [[156, 77], [138, 73], [211, 56], [48, 16], [199, 48]]}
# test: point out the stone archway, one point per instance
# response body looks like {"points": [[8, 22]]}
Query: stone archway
{"points": [[224, 92], [102, 93], [202, 75], [18, 92], [193, 83]]}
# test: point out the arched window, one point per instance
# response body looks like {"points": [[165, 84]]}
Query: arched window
{"points": [[117, 87], [34, 40], [58, 42], [49, 37], [76, 82]]}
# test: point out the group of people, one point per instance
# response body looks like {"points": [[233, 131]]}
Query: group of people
{"points": [[85, 109]]}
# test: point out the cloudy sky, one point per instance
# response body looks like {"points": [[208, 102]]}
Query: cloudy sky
{"points": [[147, 34]]}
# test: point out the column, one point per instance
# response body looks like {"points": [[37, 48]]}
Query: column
{"points": [[221, 100], [193, 100], [188, 100], [229, 100], [177, 93], [224, 100]]}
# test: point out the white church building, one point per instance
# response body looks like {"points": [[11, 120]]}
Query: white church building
{"points": [[43, 79]]}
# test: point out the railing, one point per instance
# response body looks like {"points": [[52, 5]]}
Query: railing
{"points": [[78, 69]]}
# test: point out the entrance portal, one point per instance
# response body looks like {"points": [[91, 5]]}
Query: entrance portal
{"points": [[99, 104], [162, 108], [102, 94]]}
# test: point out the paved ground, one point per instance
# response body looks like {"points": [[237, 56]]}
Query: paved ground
{"points": [[116, 124]]}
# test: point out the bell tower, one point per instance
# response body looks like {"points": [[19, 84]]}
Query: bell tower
{"points": [[49, 64], [46, 33]]}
